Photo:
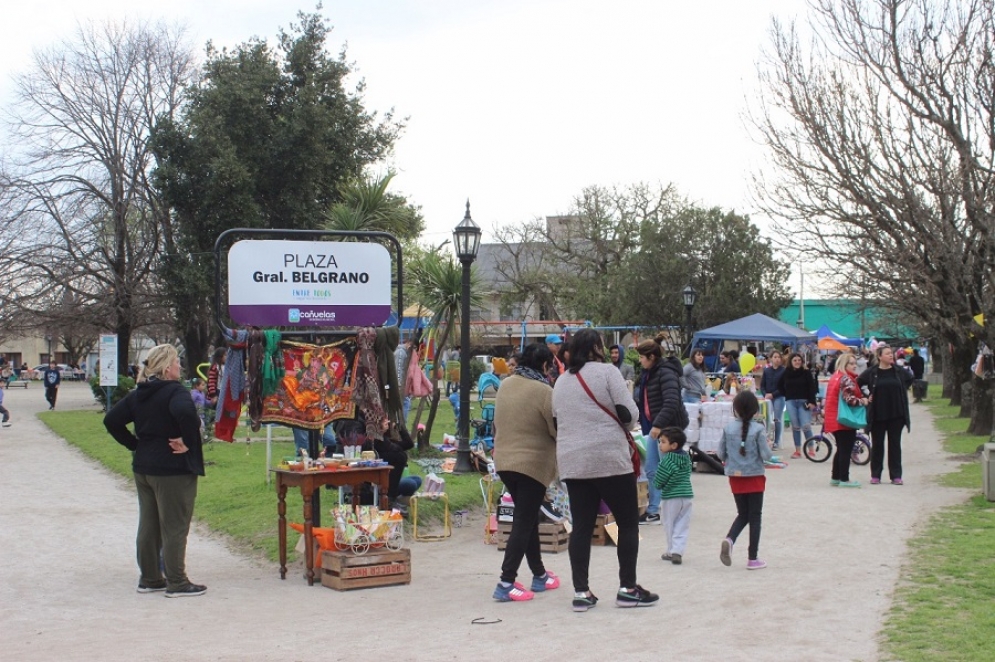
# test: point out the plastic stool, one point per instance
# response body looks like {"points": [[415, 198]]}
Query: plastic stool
{"points": [[447, 529]]}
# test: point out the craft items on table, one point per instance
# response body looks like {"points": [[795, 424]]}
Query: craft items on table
{"points": [[317, 387]]}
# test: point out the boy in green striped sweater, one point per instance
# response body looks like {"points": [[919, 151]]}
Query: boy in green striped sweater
{"points": [[673, 479]]}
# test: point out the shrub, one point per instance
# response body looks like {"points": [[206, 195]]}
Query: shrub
{"points": [[123, 388]]}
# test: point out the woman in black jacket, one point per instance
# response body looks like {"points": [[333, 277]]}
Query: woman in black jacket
{"points": [[888, 412], [658, 399], [799, 388], [168, 458]]}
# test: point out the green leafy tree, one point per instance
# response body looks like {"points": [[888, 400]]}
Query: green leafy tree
{"points": [[267, 140], [365, 205]]}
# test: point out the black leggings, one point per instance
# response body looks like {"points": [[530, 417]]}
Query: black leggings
{"points": [[527, 493], [619, 493], [749, 509], [845, 440], [891, 427]]}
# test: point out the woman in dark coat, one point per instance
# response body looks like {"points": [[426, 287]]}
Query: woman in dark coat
{"points": [[888, 412], [168, 458], [799, 388], [658, 399]]}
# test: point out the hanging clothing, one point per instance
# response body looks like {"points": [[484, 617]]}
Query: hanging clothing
{"points": [[317, 387]]}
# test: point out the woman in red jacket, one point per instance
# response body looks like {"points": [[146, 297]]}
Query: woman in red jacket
{"points": [[844, 381]]}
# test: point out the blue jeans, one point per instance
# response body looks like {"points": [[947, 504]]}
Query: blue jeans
{"points": [[301, 443], [652, 462], [690, 398], [777, 413], [801, 420], [407, 409]]}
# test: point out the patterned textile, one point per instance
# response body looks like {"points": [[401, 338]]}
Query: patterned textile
{"points": [[367, 393], [317, 388], [231, 390], [266, 369]]}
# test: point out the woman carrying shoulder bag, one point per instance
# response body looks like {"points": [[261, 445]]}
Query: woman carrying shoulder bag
{"points": [[593, 410], [843, 384]]}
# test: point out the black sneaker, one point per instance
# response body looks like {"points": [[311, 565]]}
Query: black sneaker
{"points": [[586, 602], [649, 518], [151, 587], [551, 512], [637, 597], [188, 591]]}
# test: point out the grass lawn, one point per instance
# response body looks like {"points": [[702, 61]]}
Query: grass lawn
{"points": [[943, 607], [234, 498]]}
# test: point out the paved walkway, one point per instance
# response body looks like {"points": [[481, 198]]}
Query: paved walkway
{"points": [[68, 576]]}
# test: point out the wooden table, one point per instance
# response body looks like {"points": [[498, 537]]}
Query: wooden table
{"points": [[309, 481]]}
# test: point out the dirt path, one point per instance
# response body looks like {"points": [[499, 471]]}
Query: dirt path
{"points": [[68, 576]]}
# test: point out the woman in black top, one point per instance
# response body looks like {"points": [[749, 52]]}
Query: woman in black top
{"points": [[167, 459], [799, 389], [887, 413]]}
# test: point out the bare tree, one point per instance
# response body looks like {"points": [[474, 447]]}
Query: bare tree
{"points": [[84, 220], [881, 136]]}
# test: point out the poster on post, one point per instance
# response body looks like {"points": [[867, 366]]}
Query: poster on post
{"points": [[108, 359], [308, 283]]}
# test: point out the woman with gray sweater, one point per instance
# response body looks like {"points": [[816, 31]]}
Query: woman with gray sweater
{"points": [[590, 403]]}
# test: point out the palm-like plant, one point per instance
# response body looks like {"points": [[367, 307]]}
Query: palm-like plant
{"points": [[436, 281], [366, 205]]}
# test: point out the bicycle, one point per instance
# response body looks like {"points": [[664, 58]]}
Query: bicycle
{"points": [[819, 448]]}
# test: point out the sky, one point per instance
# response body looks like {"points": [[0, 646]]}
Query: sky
{"points": [[516, 105]]}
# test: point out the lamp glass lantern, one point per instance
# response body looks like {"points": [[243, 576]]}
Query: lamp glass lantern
{"points": [[690, 296], [466, 237]]}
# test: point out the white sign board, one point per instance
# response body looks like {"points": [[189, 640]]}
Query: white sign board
{"points": [[108, 359], [308, 283]]}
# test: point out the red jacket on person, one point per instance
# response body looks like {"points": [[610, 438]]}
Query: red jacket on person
{"points": [[851, 393]]}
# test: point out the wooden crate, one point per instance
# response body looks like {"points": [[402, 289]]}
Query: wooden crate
{"points": [[601, 537], [345, 571], [643, 495], [553, 537]]}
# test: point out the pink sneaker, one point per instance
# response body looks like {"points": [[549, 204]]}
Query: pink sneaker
{"points": [[875, 481], [897, 481], [513, 593], [540, 584], [756, 564]]}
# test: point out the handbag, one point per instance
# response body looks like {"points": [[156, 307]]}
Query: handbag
{"points": [[851, 416], [633, 449]]}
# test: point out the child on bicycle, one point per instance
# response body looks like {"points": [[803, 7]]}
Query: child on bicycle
{"points": [[673, 479], [842, 384], [744, 450]]}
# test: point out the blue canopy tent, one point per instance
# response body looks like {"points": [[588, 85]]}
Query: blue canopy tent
{"points": [[751, 327], [825, 332]]}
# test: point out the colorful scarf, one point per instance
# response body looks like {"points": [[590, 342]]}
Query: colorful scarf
{"points": [[530, 373]]}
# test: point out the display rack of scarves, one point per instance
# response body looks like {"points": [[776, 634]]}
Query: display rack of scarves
{"points": [[317, 386], [231, 390]]}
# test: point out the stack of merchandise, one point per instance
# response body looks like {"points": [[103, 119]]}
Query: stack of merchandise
{"points": [[694, 425], [714, 417]]}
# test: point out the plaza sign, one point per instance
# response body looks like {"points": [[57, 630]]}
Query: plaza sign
{"points": [[308, 283]]}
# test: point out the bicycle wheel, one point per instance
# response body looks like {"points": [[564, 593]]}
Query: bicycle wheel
{"points": [[817, 448], [861, 450]]}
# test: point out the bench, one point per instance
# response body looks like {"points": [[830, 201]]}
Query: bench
{"points": [[14, 383]]}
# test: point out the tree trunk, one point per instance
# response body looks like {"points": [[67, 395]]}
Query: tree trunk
{"points": [[196, 339], [959, 370], [435, 377], [983, 391]]}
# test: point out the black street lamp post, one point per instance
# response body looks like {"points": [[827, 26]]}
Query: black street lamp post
{"points": [[466, 237], [509, 330], [690, 296]]}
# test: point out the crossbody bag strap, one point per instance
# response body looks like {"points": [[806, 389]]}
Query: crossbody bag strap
{"points": [[603, 408]]}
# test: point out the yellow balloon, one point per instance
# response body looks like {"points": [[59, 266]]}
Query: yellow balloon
{"points": [[746, 362]]}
